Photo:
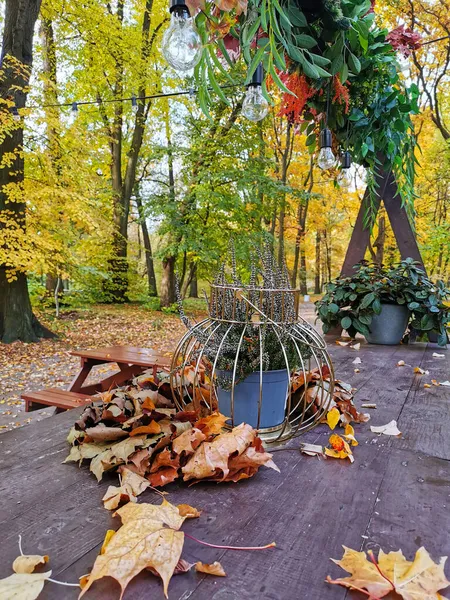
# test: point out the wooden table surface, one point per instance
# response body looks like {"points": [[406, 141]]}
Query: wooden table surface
{"points": [[395, 495]]}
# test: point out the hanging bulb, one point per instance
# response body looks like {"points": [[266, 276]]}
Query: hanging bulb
{"points": [[345, 177], [255, 107], [181, 43], [15, 113], [326, 159], [134, 104]]}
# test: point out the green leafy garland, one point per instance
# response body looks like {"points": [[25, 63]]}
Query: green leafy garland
{"points": [[345, 60]]}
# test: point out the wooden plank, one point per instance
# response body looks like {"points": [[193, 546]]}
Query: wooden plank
{"points": [[412, 508], [425, 419], [401, 226], [360, 237], [126, 354]]}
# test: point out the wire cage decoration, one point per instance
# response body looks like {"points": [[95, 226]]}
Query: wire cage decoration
{"points": [[254, 358]]}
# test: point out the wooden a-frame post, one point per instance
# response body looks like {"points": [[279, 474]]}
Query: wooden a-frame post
{"points": [[387, 191]]}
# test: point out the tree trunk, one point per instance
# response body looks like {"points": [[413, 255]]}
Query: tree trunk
{"points": [[167, 287], [193, 288], [123, 184], [302, 212], [17, 321], [317, 265], [152, 290], [303, 274], [189, 279]]}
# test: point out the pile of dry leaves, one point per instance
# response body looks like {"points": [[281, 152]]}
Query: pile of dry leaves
{"points": [[135, 431]]}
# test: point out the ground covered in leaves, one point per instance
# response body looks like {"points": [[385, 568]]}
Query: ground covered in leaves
{"points": [[26, 367]]}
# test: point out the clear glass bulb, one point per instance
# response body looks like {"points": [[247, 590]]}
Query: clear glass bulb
{"points": [[326, 159], [345, 178], [255, 107], [181, 43]]}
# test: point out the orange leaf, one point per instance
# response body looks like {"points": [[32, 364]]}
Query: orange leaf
{"points": [[214, 569], [189, 512], [148, 404], [163, 477], [212, 424], [154, 427], [164, 459]]}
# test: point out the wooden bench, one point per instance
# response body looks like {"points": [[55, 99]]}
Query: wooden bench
{"points": [[62, 399]]}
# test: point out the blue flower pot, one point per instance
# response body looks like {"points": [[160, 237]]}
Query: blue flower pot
{"points": [[389, 326], [246, 398]]}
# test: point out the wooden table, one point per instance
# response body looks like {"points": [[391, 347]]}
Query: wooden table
{"points": [[395, 495], [131, 361]]}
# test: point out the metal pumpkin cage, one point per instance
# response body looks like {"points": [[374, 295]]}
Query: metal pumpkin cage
{"points": [[254, 359]]}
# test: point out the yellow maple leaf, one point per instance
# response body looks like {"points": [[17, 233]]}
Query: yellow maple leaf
{"points": [[417, 580], [333, 417], [148, 538], [349, 434]]}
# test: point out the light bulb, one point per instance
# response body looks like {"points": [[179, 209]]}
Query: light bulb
{"points": [[345, 178], [181, 43], [15, 113], [255, 107], [326, 159]]}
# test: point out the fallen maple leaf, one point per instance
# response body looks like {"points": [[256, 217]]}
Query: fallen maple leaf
{"points": [[417, 580], [149, 537], [388, 429], [339, 343], [420, 371], [357, 361], [436, 355], [214, 569], [401, 363], [333, 417], [23, 586], [188, 441], [356, 346], [26, 563]]}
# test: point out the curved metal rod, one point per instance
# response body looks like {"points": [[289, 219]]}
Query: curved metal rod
{"points": [[233, 383], [197, 366]]}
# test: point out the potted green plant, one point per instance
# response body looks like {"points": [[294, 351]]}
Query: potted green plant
{"points": [[380, 302]]}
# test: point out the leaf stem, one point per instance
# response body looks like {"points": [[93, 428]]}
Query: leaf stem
{"points": [[64, 583], [374, 560], [272, 545], [351, 587]]}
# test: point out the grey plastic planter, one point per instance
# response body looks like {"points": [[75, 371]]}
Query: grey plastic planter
{"points": [[389, 326], [246, 399]]}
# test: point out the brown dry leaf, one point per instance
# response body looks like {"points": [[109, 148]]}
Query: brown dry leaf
{"points": [[211, 425], [311, 449], [132, 485], [101, 433], [189, 512], [188, 441], [420, 579], [23, 586], [152, 428], [28, 562], [148, 538], [213, 569], [212, 457]]}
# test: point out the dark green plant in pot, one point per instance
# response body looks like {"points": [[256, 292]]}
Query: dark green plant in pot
{"points": [[352, 302]]}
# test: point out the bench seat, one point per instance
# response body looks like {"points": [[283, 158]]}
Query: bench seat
{"points": [[62, 399]]}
